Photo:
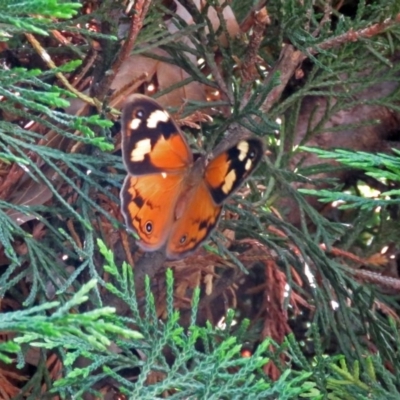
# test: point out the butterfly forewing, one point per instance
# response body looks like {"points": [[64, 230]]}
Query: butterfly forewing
{"points": [[151, 141], [227, 171]]}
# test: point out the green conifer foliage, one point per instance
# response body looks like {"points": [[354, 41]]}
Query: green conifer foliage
{"points": [[295, 294]]}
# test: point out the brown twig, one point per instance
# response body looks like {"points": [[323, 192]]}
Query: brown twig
{"points": [[375, 277], [325, 19], [141, 8], [222, 86], [343, 253], [208, 56], [364, 274], [353, 36], [275, 323], [127, 248], [49, 62], [289, 61], [74, 234], [261, 20], [78, 75]]}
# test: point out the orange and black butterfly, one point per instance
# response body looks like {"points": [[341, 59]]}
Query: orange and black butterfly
{"points": [[171, 200]]}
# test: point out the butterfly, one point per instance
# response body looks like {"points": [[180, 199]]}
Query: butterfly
{"points": [[171, 198]]}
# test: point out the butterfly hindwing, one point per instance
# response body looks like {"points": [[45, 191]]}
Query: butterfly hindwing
{"points": [[148, 204], [151, 141], [227, 171], [195, 224]]}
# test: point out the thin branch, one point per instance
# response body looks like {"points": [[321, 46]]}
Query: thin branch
{"points": [[261, 20], [353, 36], [140, 11], [49, 62], [289, 61]]}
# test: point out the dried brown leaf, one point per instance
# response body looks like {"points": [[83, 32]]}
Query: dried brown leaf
{"points": [[160, 76]]}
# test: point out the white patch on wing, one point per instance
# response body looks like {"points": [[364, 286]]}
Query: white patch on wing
{"points": [[164, 174], [142, 148], [248, 165], [155, 117], [243, 147], [229, 181], [134, 124]]}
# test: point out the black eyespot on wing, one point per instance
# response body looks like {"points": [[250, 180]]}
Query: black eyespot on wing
{"points": [[139, 113], [183, 239], [252, 155], [149, 227]]}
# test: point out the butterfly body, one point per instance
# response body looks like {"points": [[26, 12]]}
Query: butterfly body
{"points": [[169, 199]]}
